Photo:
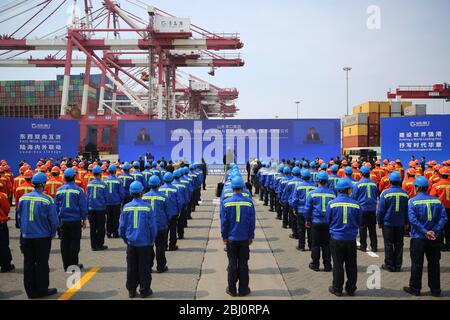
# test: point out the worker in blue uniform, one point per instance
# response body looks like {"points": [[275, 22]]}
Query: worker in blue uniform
{"points": [[97, 195], [344, 216], [196, 184], [162, 169], [258, 177], [126, 179], [138, 229], [278, 208], [317, 220], [238, 231], [298, 202], [155, 170], [365, 192], [314, 172], [427, 217], [174, 205], [284, 202], [265, 183], [184, 198], [137, 174], [333, 178], [158, 205], [286, 195], [392, 215], [349, 175], [115, 197], [270, 181], [190, 182], [38, 222], [147, 174], [71, 207]]}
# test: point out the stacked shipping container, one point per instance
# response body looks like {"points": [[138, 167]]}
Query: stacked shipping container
{"points": [[362, 129], [42, 99]]}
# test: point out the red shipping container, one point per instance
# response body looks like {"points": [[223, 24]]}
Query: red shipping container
{"points": [[374, 118], [374, 141], [355, 142], [374, 130]]}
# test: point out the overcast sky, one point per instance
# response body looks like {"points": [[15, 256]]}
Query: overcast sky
{"points": [[295, 50]]}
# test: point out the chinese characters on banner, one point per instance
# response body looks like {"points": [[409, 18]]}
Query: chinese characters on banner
{"points": [[422, 141], [30, 143]]}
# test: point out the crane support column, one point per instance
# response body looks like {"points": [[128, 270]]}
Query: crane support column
{"points": [[66, 82], [86, 84]]}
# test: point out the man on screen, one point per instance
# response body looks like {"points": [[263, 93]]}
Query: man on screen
{"points": [[312, 136], [143, 137]]}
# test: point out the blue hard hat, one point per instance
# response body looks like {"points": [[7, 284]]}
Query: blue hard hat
{"points": [[334, 168], [192, 167], [348, 170], [168, 177], [306, 174], [297, 162], [136, 164], [161, 164], [322, 176], [112, 168], [69, 173], [237, 183], [154, 164], [185, 170], [177, 174], [154, 181], [97, 170], [395, 177], [312, 164], [287, 170], [421, 182], [365, 170], [305, 164], [268, 165], [281, 169], [343, 184], [39, 178], [296, 171], [148, 165], [324, 166], [136, 187], [126, 166]]}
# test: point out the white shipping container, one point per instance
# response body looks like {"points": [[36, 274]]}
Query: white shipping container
{"points": [[172, 25], [416, 110], [396, 107], [355, 119], [199, 86]]}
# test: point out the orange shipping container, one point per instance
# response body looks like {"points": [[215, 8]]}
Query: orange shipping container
{"points": [[355, 142]]}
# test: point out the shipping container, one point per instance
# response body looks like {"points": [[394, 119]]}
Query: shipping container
{"points": [[396, 107], [416, 110], [356, 119], [385, 115], [374, 118], [396, 115], [355, 142], [373, 107], [374, 141], [374, 130], [358, 130]]}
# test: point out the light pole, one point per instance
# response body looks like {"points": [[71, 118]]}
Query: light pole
{"points": [[347, 70], [298, 103]]}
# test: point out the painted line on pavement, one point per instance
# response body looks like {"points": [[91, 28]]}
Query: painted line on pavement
{"points": [[370, 253], [80, 284]]}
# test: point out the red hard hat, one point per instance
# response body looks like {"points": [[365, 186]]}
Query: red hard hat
{"points": [[411, 171], [91, 166], [81, 165], [63, 167], [391, 168], [22, 169], [369, 165], [75, 169], [437, 167], [56, 170], [412, 164], [445, 171], [344, 162], [28, 174], [355, 165], [43, 168], [104, 167], [331, 163], [378, 163], [386, 161]]}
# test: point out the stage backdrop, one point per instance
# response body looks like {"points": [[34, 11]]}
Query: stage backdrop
{"points": [[31, 139], [426, 136], [239, 139]]}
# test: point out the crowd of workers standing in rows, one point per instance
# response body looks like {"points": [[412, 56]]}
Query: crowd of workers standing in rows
{"points": [[148, 209], [327, 205]]}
